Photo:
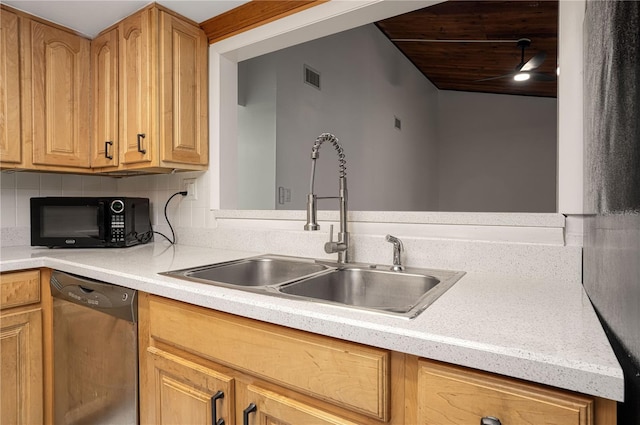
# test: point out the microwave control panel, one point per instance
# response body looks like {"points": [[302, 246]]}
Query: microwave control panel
{"points": [[117, 221]]}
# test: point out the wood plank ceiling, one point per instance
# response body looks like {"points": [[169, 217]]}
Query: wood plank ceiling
{"points": [[459, 65]]}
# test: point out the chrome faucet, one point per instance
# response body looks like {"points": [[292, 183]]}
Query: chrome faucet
{"points": [[398, 248], [342, 245]]}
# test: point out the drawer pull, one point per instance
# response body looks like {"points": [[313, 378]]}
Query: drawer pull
{"points": [[214, 413], [490, 420], [245, 414], [106, 149], [140, 137]]}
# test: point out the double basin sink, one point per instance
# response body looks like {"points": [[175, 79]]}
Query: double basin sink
{"points": [[375, 288]]}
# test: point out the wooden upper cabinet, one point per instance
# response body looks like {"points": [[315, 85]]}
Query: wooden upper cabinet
{"points": [[104, 81], [10, 124], [163, 92], [136, 88], [183, 91], [60, 88], [133, 99]]}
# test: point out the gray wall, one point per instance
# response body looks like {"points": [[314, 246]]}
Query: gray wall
{"points": [[257, 142], [612, 182], [496, 152], [456, 151], [365, 84]]}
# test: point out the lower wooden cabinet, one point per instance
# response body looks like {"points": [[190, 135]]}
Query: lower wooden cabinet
{"points": [[21, 367], [453, 395], [257, 405], [21, 349], [200, 366], [183, 392], [189, 354]]}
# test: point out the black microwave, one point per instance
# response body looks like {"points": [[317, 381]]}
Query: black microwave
{"points": [[84, 222]]}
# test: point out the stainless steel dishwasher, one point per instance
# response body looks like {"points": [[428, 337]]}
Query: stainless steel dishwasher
{"points": [[95, 340]]}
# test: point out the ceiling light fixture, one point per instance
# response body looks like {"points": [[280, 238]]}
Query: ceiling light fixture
{"points": [[522, 76]]}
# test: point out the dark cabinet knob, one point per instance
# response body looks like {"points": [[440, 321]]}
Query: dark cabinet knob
{"points": [[106, 149]]}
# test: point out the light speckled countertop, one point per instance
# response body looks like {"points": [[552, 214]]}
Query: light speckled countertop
{"points": [[537, 330]]}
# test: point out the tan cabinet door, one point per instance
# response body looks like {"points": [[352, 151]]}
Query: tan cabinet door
{"points": [[265, 407], [451, 395], [104, 80], [10, 138], [61, 97], [21, 382], [136, 97], [183, 92], [183, 392]]}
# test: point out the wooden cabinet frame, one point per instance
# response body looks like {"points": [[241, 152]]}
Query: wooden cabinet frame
{"points": [[135, 99], [26, 347], [351, 383]]}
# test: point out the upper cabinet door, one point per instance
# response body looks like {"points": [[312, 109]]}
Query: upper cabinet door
{"points": [[183, 92], [136, 94], [10, 140], [104, 79], [61, 97]]}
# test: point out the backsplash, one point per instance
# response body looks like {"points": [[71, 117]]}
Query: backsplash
{"points": [[526, 245], [19, 187]]}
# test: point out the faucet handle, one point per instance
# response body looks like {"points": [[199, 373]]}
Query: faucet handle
{"points": [[332, 247]]}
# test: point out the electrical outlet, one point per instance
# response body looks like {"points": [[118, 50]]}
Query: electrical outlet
{"points": [[189, 185]]}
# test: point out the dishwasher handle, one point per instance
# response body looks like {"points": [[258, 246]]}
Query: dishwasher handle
{"points": [[110, 299]]}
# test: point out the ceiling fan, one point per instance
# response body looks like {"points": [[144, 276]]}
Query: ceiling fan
{"points": [[526, 70], [522, 72]]}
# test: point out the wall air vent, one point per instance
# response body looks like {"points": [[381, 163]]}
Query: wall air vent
{"points": [[311, 77]]}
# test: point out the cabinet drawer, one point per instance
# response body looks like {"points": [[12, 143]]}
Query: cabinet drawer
{"points": [[349, 375], [273, 408], [454, 395], [19, 288]]}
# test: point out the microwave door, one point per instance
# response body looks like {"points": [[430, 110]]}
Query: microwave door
{"points": [[70, 221]]}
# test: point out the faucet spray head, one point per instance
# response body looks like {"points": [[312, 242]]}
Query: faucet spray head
{"points": [[312, 220]]}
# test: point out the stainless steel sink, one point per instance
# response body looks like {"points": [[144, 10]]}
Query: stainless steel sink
{"points": [[405, 293], [251, 272], [400, 293], [381, 290]]}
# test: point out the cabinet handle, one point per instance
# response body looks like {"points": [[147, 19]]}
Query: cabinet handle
{"points": [[140, 137], [490, 420], [214, 413], [106, 149], [245, 414]]}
